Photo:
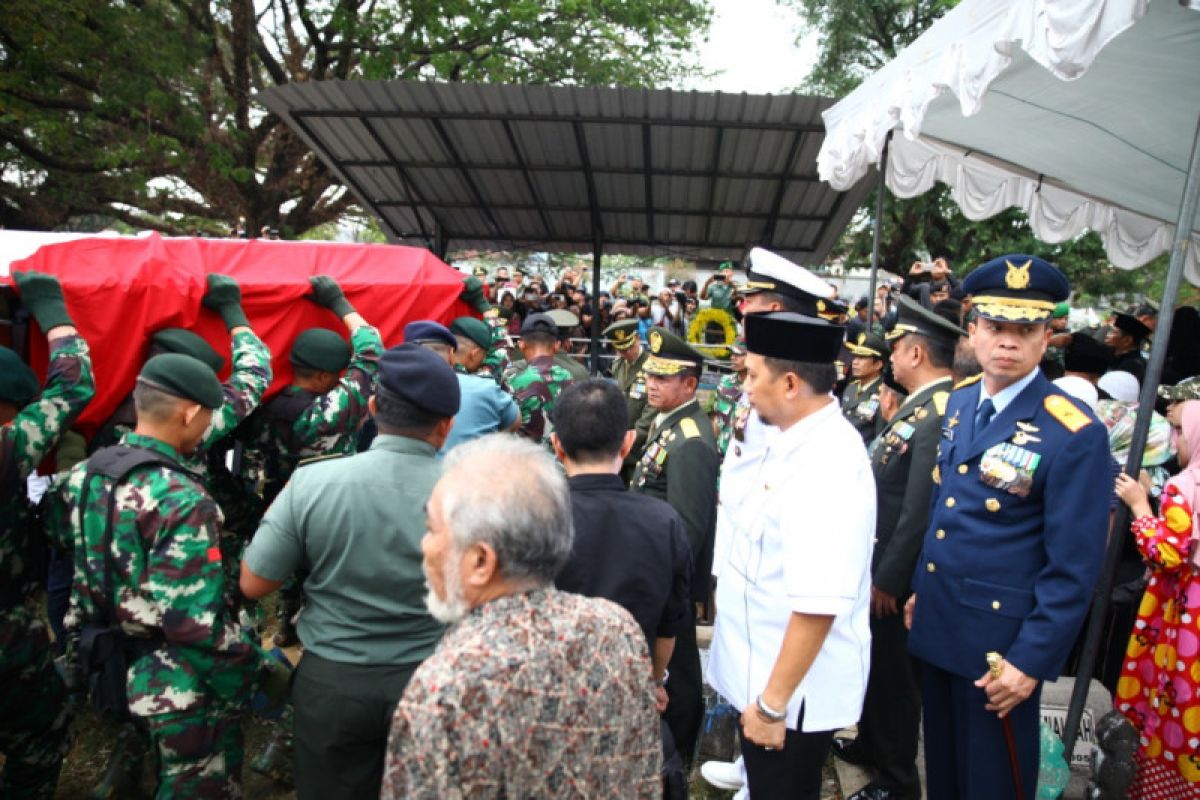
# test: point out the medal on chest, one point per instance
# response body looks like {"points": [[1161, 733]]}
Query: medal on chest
{"points": [[1009, 467], [867, 408], [637, 390]]}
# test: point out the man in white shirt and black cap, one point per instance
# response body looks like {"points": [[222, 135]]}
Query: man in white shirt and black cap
{"points": [[791, 649]]}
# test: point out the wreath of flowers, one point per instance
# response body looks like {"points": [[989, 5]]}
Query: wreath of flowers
{"points": [[699, 326]]}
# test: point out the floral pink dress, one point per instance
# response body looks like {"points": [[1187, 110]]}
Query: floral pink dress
{"points": [[1159, 690]]}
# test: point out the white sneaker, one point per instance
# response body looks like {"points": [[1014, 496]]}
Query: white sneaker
{"points": [[723, 774]]}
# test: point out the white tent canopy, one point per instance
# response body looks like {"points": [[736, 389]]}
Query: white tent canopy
{"points": [[1080, 112]]}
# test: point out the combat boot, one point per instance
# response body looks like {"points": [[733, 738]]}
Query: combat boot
{"points": [[275, 761], [123, 776]]}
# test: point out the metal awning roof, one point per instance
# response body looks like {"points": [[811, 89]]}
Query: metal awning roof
{"points": [[645, 172]]}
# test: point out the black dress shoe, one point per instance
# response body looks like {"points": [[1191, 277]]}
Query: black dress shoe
{"points": [[850, 751], [873, 792]]}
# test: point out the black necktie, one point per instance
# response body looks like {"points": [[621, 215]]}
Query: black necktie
{"points": [[983, 415]]}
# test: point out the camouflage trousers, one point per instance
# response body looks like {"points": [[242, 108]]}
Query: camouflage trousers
{"points": [[33, 707], [199, 752]]}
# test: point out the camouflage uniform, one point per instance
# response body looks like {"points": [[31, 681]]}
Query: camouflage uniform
{"points": [[327, 426], [496, 362], [33, 712], [167, 582], [243, 392], [535, 389], [725, 403]]}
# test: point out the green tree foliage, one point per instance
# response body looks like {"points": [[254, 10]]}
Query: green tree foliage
{"points": [[858, 38], [142, 111]]}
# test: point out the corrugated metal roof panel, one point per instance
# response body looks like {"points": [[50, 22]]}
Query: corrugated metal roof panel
{"points": [[501, 166]]}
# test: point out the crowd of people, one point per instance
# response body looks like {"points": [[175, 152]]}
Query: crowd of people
{"points": [[494, 561]]}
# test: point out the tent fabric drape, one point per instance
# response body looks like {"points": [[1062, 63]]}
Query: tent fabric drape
{"points": [[1078, 112]]}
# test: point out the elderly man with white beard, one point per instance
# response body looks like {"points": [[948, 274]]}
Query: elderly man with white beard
{"points": [[532, 692]]}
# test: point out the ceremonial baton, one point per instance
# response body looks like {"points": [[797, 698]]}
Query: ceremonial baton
{"points": [[995, 663]]}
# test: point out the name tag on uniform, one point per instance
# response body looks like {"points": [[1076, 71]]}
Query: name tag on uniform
{"points": [[1009, 467]]}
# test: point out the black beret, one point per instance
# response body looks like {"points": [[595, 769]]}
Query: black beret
{"points": [[320, 349], [18, 384], [1131, 325], [1085, 354], [426, 330], [539, 323], [178, 340], [421, 377], [184, 376], [793, 337], [474, 329]]}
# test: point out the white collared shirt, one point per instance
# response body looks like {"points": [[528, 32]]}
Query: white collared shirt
{"points": [[799, 539], [1002, 398]]}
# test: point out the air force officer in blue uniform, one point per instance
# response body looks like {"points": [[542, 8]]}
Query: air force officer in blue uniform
{"points": [[1015, 540]]}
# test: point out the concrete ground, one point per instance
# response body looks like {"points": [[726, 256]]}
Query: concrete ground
{"points": [[843, 780]]}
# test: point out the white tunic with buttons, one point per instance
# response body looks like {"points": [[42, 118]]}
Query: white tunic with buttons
{"points": [[796, 535]]}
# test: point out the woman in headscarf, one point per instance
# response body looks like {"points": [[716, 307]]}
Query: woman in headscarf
{"points": [[1159, 690]]}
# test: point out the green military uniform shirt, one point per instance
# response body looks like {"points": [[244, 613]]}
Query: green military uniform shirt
{"points": [[860, 406], [356, 524], [902, 459], [631, 379], [679, 465]]}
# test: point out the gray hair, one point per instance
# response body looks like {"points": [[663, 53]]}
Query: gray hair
{"points": [[509, 493]]}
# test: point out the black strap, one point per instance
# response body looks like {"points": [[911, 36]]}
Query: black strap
{"points": [[117, 463]]}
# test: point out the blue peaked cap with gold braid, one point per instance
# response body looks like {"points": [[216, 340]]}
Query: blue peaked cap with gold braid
{"points": [[1016, 288]]}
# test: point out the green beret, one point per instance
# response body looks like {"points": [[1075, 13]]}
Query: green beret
{"points": [[18, 384], [474, 329], [184, 376], [320, 349], [178, 340]]}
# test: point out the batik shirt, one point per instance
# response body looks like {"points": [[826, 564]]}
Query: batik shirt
{"points": [[166, 579], [24, 442], [538, 694], [725, 403], [535, 388]]}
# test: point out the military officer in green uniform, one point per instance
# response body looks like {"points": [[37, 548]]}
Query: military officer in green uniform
{"points": [[33, 713], [567, 324], [679, 464], [629, 373], [860, 401], [147, 561], [902, 459], [356, 524]]}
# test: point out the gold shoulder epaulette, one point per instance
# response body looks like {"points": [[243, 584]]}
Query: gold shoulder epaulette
{"points": [[316, 459], [939, 402], [689, 428], [1066, 412], [968, 381]]}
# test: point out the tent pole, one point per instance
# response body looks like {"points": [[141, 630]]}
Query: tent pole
{"points": [[597, 255], [1120, 526], [879, 192]]}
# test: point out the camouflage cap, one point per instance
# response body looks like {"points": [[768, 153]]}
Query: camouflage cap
{"points": [[1187, 389], [670, 355], [475, 330], [179, 340], [623, 334], [18, 384], [320, 349], [184, 376]]}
